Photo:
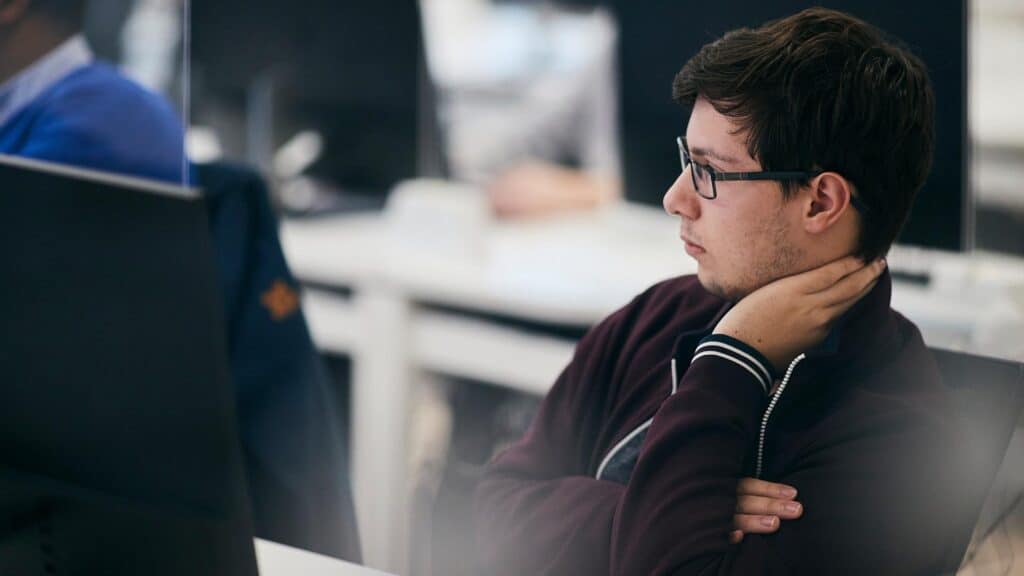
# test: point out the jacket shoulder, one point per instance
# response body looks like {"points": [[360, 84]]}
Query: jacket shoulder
{"points": [[659, 314], [103, 83], [680, 299], [96, 118]]}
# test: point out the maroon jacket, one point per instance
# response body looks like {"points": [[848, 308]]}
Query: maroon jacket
{"points": [[860, 425]]}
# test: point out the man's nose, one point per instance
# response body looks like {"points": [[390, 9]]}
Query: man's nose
{"points": [[681, 199]]}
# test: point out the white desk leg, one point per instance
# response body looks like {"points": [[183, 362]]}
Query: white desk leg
{"points": [[381, 403]]}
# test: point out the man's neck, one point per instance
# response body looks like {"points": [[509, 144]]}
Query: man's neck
{"points": [[26, 44]]}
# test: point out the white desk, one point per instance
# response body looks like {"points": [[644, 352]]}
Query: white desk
{"points": [[276, 559], [569, 271]]}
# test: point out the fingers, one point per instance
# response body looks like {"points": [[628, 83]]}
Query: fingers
{"points": [[826, 276], [850, 289], [754, 524], [844, 305], [763, 506], [756, 487]]}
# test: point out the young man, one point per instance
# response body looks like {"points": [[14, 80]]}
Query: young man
{"points": [[780, 360], [60, 105]]}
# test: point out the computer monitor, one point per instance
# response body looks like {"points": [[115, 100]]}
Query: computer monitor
{"points": [[657, 38], [353, 71], [119, 451]]}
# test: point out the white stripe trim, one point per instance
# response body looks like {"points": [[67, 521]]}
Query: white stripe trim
{"points": [[675, 377], [622, 443], [743, 365], [764, 371]]}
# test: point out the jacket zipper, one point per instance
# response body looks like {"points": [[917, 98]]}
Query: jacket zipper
{"points": [[770, 409]]}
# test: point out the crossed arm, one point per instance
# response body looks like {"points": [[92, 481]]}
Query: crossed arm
{"points": [[867, 511], [685, 509]]}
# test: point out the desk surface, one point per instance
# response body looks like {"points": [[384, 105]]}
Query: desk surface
{"points": [[279, 560], [568, 270], [576, 270]]}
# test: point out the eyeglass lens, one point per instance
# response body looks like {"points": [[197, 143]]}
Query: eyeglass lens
{"points": [[701, 177]]}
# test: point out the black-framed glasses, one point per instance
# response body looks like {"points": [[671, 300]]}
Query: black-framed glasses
{"points": [[704, 177]]}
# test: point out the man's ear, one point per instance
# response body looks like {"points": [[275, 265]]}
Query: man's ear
{"points": [[826, 199], [12, 10]]}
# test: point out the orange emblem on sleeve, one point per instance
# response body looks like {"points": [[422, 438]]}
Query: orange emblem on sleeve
{"points": [[280, 300]]}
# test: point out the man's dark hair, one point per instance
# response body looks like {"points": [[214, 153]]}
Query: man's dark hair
{"points": [[823, 90]]}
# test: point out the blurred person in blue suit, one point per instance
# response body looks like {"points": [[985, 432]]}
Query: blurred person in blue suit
{"points": [[58, 104]]}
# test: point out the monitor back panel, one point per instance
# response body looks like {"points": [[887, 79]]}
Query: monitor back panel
{"points": [[118, 439]]}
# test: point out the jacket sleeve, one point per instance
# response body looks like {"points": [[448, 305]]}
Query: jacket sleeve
{"points": [[292, 442], [538, 509], [869, 493]]}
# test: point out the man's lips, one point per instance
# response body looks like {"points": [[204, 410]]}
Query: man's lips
{"points": [[692, 248]]}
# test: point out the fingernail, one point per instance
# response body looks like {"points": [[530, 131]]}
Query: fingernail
{"points": [[768, 521], [788, 492], [792, 507]]}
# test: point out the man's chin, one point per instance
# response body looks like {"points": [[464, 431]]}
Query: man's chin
{"points": [[717, 288]]}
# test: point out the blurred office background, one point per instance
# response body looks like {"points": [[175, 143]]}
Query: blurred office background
{"points": [[466, 185]]}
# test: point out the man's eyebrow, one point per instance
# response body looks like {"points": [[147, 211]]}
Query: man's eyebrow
{"points": [[708, 153]]}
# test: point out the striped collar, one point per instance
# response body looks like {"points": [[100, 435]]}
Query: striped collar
{"points": [[864, 334]]}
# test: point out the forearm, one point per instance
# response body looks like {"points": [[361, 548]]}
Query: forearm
{"points": [[678, 509], [872, 493]]}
